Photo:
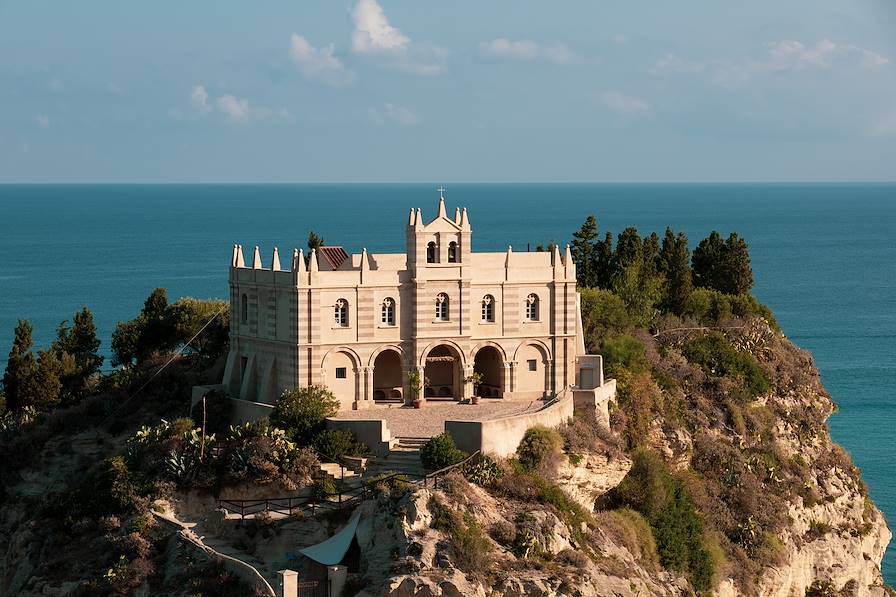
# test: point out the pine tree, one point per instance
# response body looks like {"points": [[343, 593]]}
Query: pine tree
{"points": [[315, 242], [20, 376], [675, 265], [635, 279], [584, 253]]}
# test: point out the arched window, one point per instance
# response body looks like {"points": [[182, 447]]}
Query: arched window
{"points": [[431, 252], [452, 252], [442, 307], [532, 307], [388, 315], [341, 313], [488, 308], [244, 309]]}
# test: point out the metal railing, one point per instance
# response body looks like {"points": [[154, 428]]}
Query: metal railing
{"points": [[340, 499]]}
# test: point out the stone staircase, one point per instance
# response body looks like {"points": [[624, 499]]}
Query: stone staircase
{"points": [[404, 458], [343, 477]]}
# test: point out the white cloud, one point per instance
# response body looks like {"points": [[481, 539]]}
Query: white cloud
{"points": [[374, 36], [199, 99], [42, 120], [373, 33], [317, 63], [783, 56], [526, 49], [625, 105], [237, 110], [392, 114], [234, 108]]}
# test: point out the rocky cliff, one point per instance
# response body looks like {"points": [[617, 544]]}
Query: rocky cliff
{"points": [[783, 510]]}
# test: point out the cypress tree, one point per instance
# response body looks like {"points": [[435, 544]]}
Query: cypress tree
{"points": [[605, 262], [675, 265], [20, 376], [584, 253], [80, 344], [739, 273], [707, 261]]}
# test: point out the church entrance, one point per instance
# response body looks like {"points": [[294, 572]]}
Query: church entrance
{"points": [[490, 365], [444, 372], [387, 377]]}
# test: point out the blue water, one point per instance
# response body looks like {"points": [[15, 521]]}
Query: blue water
{"points": [[824, 259]]}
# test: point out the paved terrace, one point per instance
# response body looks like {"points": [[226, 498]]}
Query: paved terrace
{"points": [[428, 421]]}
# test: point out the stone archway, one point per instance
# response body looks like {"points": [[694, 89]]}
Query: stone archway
{"points": [[489, 363], [444, 370], [388, 376]]}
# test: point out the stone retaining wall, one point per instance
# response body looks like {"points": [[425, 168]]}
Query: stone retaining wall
{"points": [[502, 436]]}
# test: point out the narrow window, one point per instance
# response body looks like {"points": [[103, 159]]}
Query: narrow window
{"points": [[388, 316], [341, 373], [341, 313], [431, 252], [452, 252], [533, 364], [442, 307], [488, 309], [244, 362], [244, 309], [532, 307]]}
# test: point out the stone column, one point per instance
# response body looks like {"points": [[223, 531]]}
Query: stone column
{"points": [[506, 392], [468, 387], [288, 583]]}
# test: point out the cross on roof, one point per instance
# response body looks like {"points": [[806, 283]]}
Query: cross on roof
{"points": [[441, 190]]}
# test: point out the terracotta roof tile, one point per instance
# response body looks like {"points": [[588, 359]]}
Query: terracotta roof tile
{"points": [[335, 256]]}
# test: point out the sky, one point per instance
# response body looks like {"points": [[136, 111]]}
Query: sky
{"points": [[415, 91]]}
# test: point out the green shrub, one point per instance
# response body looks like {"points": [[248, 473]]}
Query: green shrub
{"points": [[650, 488], [628, 528], [538, 445], [603, 315], [333, 445], [439, 452], [717, 357], [624, 352], [484, 472], [322, 489], [711, 307], [303, 412]]}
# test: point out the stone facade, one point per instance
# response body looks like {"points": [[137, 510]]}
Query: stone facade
{"points": [[359, 323]]}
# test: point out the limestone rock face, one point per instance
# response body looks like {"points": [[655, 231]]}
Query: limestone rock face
{"points": [[592, 477]]}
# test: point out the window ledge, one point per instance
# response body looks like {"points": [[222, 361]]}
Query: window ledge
{"points": [[531, 321], [488, 322], [441, 321], [341, 327], [384, 326]]}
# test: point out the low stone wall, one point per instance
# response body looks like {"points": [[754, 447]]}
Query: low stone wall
{"points": [[596, 400], [502, 436], [244, 411], [372, 432]]}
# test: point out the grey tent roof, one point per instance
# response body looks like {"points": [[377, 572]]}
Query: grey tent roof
{"points": [[331, 551]]}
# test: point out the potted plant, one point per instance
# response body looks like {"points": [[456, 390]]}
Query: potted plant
{"points": [[417, 383], [474, 378]]}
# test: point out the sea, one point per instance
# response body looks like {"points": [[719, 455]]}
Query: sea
{"points": [[823, 255]]}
